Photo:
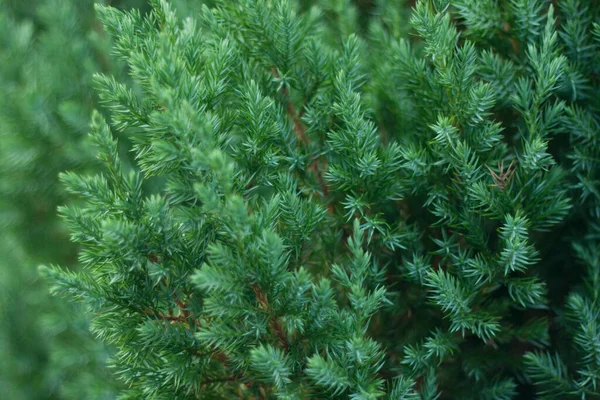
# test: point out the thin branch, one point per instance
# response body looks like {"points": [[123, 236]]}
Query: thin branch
{"points": [[274, 324], [229, 378]]}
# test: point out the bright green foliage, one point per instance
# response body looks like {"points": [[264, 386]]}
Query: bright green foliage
{"points": [[325, 204]]}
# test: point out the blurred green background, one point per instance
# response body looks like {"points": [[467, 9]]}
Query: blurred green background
{"points": [[49, 50]]}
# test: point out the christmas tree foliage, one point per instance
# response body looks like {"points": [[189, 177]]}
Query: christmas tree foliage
{"points": [[334, 201]]}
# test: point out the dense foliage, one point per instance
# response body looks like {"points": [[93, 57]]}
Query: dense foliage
{"points": [[328, 202]]}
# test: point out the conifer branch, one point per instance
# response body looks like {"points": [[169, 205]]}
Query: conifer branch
{"points": [[274, 324]]}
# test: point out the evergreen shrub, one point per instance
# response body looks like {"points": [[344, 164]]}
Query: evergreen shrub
{"points": [[334, 201]]}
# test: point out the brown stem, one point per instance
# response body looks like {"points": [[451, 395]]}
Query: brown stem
{"points": [[324, 187], [229, 378], [185, 314], [278, 329], [299, 127], [275, 324], [300, 131], [182, 306], [170, 318]]}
